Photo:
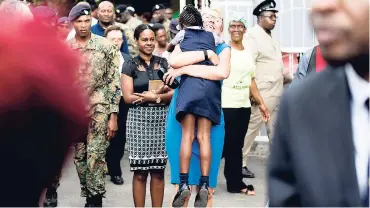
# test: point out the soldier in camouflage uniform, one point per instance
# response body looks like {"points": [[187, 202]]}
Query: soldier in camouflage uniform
{"points": [[98, 75]]}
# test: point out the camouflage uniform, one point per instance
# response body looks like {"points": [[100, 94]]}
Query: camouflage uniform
{"points": [[98, 75], [166, 25], [129, 33]]}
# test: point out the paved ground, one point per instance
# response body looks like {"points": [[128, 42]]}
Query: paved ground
{"points": [[121, 196]]}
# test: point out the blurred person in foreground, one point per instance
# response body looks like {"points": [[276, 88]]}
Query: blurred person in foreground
{"points": [[51, 195], [98, 75], [41, 110], [320, 152]]}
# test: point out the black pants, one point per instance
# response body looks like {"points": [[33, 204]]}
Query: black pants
{"points": [[236, 127], [116, 148]]}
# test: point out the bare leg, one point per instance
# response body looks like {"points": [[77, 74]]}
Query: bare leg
{"points": [[204, 134], [187, 125], [139, 187], [157, 187]]}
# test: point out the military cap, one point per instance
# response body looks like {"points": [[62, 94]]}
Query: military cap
{"points": [[63, 20], [121, 8], [158, 7], [267, 5], [44, 12], [79, 10]]}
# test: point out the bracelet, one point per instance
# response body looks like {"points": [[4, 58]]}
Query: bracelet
{"points": [[205, 55]]}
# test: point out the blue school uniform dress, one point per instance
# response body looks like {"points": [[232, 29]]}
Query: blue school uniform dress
{"points": [[197, 96]]}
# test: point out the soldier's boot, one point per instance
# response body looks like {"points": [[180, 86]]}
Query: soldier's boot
{"points": [[94, 201], [51, 199]]}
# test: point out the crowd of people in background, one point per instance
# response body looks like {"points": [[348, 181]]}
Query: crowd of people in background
{"points": [[172, 89]]}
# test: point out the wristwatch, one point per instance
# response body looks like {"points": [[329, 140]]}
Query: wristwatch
{"points": [[205, 55], [158, 99]]}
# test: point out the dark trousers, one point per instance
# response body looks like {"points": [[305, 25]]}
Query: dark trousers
{"points": [[116, 148], [236, 127]]}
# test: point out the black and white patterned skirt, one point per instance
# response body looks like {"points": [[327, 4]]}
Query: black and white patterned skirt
{"points": [[145, 133]]}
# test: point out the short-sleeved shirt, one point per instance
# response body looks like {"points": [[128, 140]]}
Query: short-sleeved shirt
{"points": [[140, 77], [235, 89]]}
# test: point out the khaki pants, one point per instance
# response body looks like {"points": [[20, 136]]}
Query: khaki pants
{"points": [[256, 123]]}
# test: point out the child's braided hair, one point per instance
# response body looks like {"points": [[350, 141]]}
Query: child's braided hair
{"points": [[190, 16]]}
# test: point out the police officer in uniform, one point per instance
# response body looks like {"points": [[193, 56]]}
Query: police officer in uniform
{"points": [[269, 73]]}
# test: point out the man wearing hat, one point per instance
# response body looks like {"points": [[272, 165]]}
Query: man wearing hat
{"points": [[46, 15], [127, 17], [120, 8], [63, 28], [99, 76], [159, 16], [94, 21], [269, 77]]}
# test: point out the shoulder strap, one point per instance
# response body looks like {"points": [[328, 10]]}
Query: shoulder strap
{"points": [[312, 63]]}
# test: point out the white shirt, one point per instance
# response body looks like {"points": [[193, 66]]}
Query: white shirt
{"points": [[360, 90], [121, 62]]}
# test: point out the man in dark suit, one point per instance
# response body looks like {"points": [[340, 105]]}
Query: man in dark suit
{"points": [[320, 151]]}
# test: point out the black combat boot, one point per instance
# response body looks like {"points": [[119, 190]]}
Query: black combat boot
{"points": [[51, 199], [94, 201]]}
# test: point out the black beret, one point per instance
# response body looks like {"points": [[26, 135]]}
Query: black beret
{"points": [[63, 20], [43, 12], [121, 8], [158, 7], [267, 5], [79, 10]]}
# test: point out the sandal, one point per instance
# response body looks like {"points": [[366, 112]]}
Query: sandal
{"points": [[249, 191]]}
